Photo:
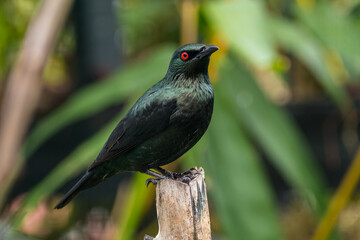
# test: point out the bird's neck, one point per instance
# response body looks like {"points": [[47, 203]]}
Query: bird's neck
{"points": [[183, 80]]}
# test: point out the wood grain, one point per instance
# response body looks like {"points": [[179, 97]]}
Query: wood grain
{"points": [[182, 210]]}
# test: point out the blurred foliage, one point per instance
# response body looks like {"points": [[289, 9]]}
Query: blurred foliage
{"points": [[159, 22], [323, 36], [254, 41], [337, 30], [272, 128], [232, 182], [94, 98], [14, 17], [134, 208]]}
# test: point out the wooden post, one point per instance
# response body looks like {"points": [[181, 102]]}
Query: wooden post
{"points": [[182, 210]]}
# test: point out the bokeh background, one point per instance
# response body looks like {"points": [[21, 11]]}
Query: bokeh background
{"points": [[280, 153]]}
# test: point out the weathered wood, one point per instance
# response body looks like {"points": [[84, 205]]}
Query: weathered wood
{"points": [[182, 210]]}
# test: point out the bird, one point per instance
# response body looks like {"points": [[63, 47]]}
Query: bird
{"points": [[163, 124]]}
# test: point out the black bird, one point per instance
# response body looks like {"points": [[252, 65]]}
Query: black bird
{"points": [[166, 121]]}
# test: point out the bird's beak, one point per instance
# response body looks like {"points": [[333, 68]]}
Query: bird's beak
{"points": [[207, 51]]}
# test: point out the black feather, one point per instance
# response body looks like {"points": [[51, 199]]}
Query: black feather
{"points": [[80, 185]]}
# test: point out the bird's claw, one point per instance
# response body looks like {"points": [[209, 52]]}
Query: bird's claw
{"points": [[167, 174], [184, 177], [151, 180], [192, 171], [189, 174]]}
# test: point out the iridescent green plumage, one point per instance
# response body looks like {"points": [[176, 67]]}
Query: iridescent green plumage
{"points": [[166, 121]]}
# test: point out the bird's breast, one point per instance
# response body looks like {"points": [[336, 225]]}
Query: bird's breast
{"points": [[194, 108]]}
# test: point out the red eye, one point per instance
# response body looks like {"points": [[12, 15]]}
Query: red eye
{"points": [[184, 55]]}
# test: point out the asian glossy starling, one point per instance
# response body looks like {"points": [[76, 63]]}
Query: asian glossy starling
{"points": [[166, 121]]}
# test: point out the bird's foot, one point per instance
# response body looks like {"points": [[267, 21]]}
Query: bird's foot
{"points": [[168, 174], [187, 176], [184, 177], [155, 180], [190, 172], [151, 180]]}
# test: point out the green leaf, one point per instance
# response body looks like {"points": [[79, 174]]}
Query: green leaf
{"points": [[299, 42], [245, 26], [242, 197], [135, 201], [77, 161], [274, 130], [4, 37], [336, 29], [11, 234], [132, 212], [98, 96]]}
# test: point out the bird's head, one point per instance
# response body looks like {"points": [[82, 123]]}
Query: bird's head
{"points": [[191, 59]]}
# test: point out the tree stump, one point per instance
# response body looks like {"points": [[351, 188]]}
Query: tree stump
{"points": [[182, 210]]}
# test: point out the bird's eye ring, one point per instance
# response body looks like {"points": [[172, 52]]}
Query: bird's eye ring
{"points": [[184, 56]]}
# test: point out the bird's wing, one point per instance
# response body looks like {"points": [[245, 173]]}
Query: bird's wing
{"points": [[138, 125]]}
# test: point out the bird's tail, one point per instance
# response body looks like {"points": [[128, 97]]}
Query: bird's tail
{"points": [[80, 185]]}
